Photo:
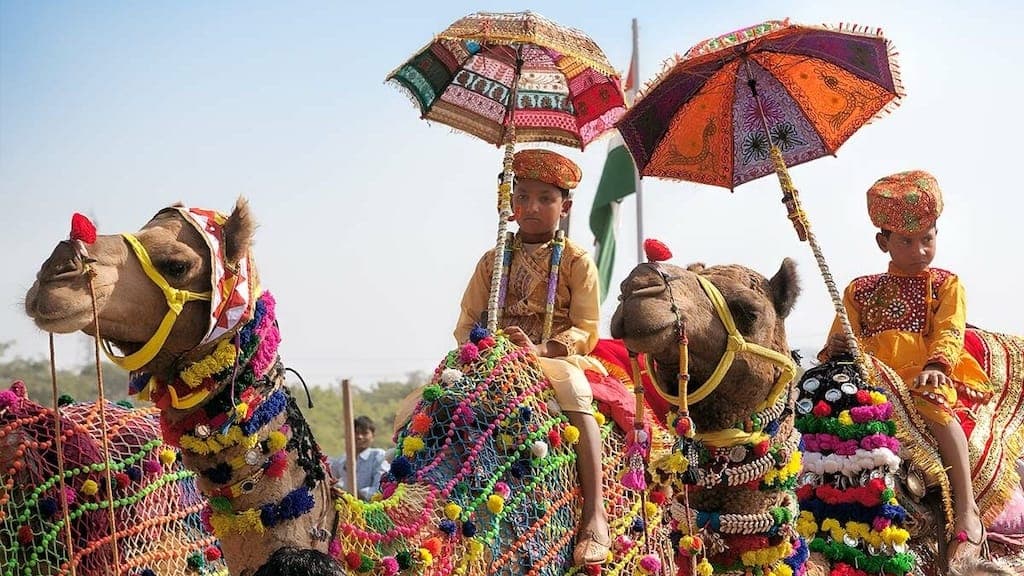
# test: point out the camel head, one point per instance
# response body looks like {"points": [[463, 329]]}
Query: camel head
{"points": [[657, 298], [130, 304]]}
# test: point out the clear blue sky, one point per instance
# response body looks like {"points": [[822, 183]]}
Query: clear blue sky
{"points": [[371, 219]]}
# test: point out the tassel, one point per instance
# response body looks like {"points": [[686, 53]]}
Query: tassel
{"points": [[634, 479]]}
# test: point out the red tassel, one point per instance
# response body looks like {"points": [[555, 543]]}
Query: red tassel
{"points": [[82, 229]]}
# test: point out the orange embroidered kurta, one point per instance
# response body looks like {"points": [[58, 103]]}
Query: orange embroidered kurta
{"points": [[909, 321], [574, 322]]}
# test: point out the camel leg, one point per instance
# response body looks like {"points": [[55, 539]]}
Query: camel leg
{"points": [[953, 448], [593, 527], [1020, 472]]}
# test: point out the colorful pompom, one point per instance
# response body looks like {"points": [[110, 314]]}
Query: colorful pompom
{"points": [[411, 445], [212, 553], [426, 558], [539, 449], [82, 228], [469, 353], [401, 468], [450, 376], [276, 441], [495, 503], [90, 487], [420, 423], [452, 511], [388, 566], [571, 434], [478, 333], [432, 392], [168, 456], [600, 418], [656, 250], [502, 489]]}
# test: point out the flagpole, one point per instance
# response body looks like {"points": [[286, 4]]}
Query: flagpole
{"points": [[634, 67]]}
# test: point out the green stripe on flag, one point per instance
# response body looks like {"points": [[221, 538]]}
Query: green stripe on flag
{"points": [[618, 180]]}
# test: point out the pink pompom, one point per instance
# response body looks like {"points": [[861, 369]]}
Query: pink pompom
{"points": [[389, 566], [469, 353], [334, 548], [650, 563], [8, 399], [502, 489], [152, 466]]}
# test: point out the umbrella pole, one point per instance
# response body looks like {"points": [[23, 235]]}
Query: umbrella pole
{"points": [[495, 299], [791, 198]]}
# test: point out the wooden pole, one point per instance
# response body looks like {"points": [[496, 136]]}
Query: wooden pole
{"points": [[350, 438]]}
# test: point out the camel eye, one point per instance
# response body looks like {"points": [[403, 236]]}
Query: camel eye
{"points": [[173, 268]]}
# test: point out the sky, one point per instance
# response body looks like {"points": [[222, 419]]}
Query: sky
{"points": [[371, 220]]}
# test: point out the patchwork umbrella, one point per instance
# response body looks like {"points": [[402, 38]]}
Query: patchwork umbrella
{"points": [[752, 102], [513, 77]]}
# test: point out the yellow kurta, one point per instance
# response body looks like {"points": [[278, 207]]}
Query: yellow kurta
{"points": [[910, 321], [575, 319]]}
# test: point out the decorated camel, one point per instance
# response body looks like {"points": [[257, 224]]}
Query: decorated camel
{"points": [[485, 481], [660, 302]]}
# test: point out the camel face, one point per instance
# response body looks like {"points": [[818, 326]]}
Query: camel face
{"points": [[655, 299], [129, 304]]}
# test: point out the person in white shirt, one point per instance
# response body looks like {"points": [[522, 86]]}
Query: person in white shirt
{"points": [[370, 462]]}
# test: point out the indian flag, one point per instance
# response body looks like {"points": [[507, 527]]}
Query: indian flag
{"points": [[618, 180]]}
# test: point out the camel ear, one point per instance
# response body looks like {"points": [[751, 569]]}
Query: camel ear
{"points": [[785, 287], [696, 267], [238, 232]]}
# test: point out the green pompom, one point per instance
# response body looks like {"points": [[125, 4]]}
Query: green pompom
{"points": [[65, 399], [432, 392]]}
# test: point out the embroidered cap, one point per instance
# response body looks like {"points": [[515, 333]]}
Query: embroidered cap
{"points": [[234, 288], [905, 202], [548, 167]]}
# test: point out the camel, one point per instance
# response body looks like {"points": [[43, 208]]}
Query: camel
{"points": [[735, 420], [485, 482]]}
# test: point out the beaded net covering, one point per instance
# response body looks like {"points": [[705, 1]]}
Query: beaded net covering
{"points": [[485, 479], [157, 506]]}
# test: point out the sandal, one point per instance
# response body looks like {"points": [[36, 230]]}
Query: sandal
{"points": [[590, 550], [981, 545]]}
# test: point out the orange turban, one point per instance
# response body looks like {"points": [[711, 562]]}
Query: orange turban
{"points": [[905, 202], [548, 167]]}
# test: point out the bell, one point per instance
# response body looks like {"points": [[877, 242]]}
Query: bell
{"points": [[738, 453], [915, 484], [849, 388], [840, 378], [833, 395], [805, 406], [811, 384], [850, 540], [252, 457], [202, 431]]}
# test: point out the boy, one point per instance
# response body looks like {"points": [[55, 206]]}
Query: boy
{"points": [[540, 199], [370, 462], [913, 318]]}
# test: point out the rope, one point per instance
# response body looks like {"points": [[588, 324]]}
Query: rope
{"points": [[58, 442], [100, 401]]}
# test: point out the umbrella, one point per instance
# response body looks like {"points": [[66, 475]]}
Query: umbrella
{"points": [[752, 102], [513, 77]]}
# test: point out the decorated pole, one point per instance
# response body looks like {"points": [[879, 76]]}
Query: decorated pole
{"points": [[350, 438]]}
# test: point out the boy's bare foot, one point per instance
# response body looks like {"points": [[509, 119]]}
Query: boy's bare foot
{"points": [[592, 543], [969, 536]]}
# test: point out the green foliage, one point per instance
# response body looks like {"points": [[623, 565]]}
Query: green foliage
{"points": [[79, 384], [380, 402]]}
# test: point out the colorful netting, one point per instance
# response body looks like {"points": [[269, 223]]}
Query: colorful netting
{"points": [[485, 481], [157, 521]]}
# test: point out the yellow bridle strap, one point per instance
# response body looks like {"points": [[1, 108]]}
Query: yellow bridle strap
{"points": [[735, 343], [176, 299]]}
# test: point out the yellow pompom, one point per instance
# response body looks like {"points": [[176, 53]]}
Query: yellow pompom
{"points": [[495, 503], [878, 398], [475, 547], [686, 542], [599, 418], [276, 441], [651, 508], [783, 570], [506, 441], [845, 419], [242, 410], [571, 434], [168, 456], [704, 568], [426, 557], [412, 445], [90, 487], [452, 511]]}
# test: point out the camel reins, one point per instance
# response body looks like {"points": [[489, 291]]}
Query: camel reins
{"points": [[735, 344]]}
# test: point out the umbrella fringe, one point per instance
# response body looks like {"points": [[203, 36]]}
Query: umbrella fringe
{"points": [[405, 91]]}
